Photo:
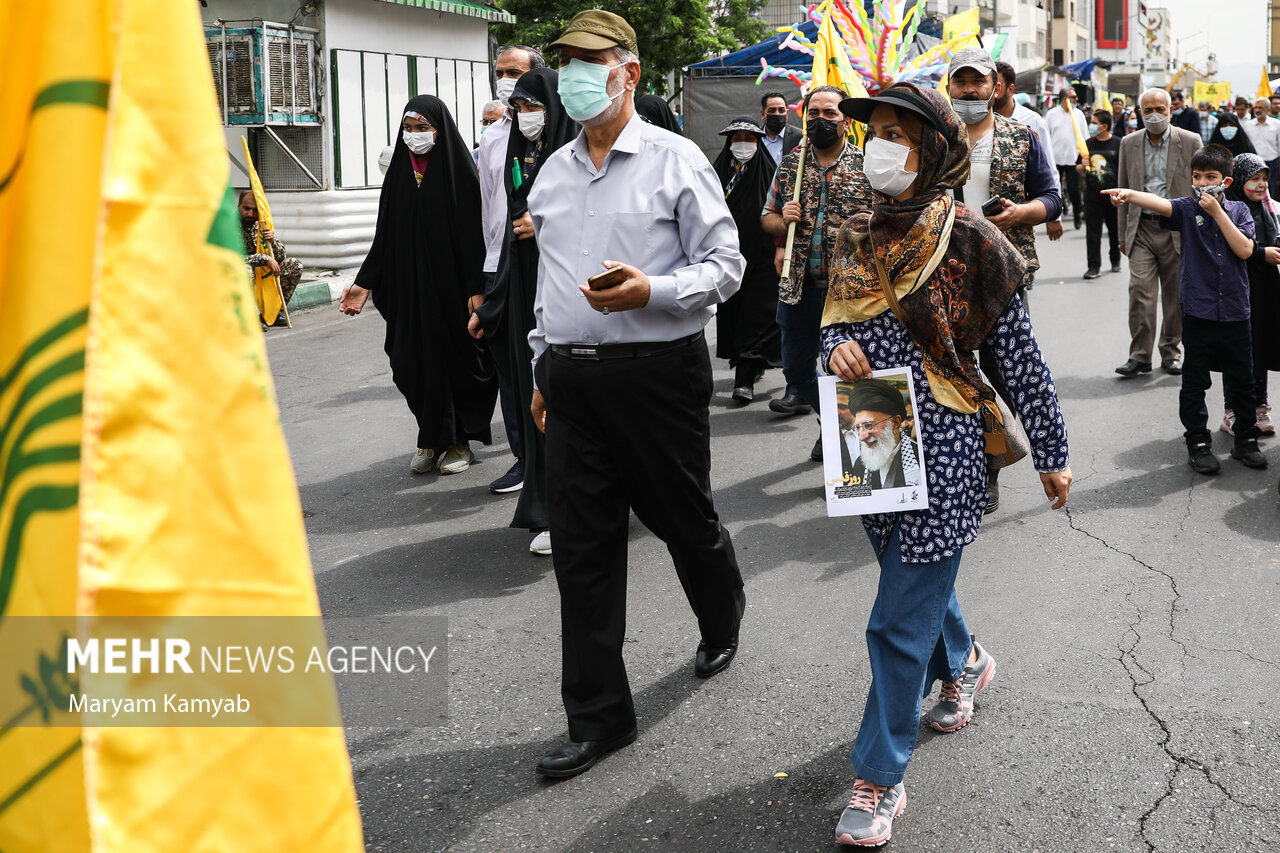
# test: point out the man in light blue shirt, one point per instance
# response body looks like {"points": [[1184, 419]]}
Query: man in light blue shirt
{"points": [[624, 377]]}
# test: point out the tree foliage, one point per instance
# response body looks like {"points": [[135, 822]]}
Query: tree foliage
{"points": [[670, 33]]}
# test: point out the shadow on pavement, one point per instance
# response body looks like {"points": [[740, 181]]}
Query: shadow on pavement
{"points": [[404, 812], [433, 573], [798, 812]]}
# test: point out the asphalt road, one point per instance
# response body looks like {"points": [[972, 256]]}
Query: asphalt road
{"points": [[1137, 632]]}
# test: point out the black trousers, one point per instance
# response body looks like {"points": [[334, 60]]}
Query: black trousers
{"points": [[622, 435], [1068, 177], [1098, 211], [1213, 345]]}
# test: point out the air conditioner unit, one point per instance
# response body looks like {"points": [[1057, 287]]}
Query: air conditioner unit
{"points": [[264, 73]]}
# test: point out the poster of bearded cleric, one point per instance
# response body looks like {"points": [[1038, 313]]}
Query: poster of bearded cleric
{"points": [[871, 454]]}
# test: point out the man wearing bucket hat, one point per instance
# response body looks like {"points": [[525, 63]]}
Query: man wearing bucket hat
{"points": [[623, 377]]}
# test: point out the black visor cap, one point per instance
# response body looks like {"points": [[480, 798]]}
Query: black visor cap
{"points": [[860, 109]]}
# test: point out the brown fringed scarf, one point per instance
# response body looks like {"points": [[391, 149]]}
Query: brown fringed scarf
{"points": [[952, 271]]}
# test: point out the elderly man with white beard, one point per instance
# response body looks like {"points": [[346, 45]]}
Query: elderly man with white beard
{"points": [[872, 449]]}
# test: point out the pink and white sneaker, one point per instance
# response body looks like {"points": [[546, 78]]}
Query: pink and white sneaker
{"points": [[868, 819], [955, 705], [1264, 420]]}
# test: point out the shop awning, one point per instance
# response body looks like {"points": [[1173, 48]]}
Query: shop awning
{"points": [[461, 7]]}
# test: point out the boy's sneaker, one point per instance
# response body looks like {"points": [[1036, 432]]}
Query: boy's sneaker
{"points": [[1229, 422], [456, 460], [1246, 450], [1200, 454], [423, 462], [1264, 420], [955, 706], [868, 820]]}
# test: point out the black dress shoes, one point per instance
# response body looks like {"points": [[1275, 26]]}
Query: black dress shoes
{"points": [[1133, 367], [791, 404], [711, 659], [744, 394], [1172, 366], [574, 757]]}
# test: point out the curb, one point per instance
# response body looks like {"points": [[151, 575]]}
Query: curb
{"points": [[310, 294]]}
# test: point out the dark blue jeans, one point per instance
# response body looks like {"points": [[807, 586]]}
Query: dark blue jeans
{"points": [[915, 636], [800, 342]]}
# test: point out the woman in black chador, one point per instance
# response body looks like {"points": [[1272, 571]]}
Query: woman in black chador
{"points": [[505, 318], [424, 273], [747, 332]]}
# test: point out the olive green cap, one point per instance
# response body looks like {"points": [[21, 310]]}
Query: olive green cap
{"points": [[596, 29]]}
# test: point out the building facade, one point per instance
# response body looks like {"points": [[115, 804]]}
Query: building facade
{"points": [[354, 64]]}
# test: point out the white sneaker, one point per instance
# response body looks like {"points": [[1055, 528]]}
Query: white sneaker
{"points": [[456, 460], [423, 462], [541, 543]]}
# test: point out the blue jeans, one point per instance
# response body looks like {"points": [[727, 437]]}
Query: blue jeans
{"points": [[800, 342], [915, 636]]}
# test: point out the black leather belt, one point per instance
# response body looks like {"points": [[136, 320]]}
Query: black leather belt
{"points": [[599, 352], [1147, 214]]}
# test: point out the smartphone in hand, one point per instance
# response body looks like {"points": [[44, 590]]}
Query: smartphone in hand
{"points": [[993, 206], [607, 279]]}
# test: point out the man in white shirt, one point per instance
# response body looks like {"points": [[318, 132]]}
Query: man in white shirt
{"points": [[623, 376], [1264, 133], [1063, 122], [512, 63]]}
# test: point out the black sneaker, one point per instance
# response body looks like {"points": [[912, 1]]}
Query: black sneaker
{"points": [[512, 481], [1200, 455], [1246, 450], [1092, 273], [816, 453], [1115, 267]]}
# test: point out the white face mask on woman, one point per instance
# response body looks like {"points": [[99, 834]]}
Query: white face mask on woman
{"points": [[420, 143], [531, 124], [742, 151], [884, 164]]}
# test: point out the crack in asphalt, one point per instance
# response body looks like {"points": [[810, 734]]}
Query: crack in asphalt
{"points": [[1140, 677]]}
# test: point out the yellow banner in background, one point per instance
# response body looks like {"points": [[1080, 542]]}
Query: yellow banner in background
{"points": [[959, 24], [142, 466], [1264, 85], [1214, 93]]}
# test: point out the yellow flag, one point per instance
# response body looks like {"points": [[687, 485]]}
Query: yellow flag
{"points": [[266, 284], [959, 24], [1264, 86], [1214, 93], [831, 68], [142, 466], [1081, 146]]}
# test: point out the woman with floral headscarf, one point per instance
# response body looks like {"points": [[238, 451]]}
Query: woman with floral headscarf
{"points": [[953, 278], [1249, 185]]}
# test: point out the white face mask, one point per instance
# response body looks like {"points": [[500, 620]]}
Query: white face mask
{"points": [[505, 87], [420, 143], [742, 151], [531, 124], [883, 163]]}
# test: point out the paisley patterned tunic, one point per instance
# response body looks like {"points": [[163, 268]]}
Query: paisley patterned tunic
{"points": [[953, 443]]}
